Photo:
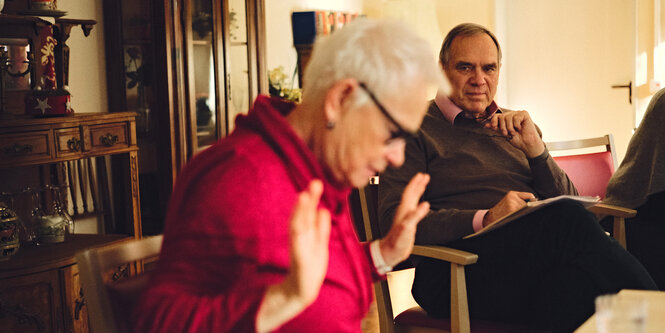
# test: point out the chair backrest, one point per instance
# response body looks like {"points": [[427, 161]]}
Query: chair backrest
{"points": [[368, 204], [110, 303], [368, 197], [590, 172]]}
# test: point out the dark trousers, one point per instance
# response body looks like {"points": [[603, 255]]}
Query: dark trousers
{"points": [[543, 270], [645, 236]]}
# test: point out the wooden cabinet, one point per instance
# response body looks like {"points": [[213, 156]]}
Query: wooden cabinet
{"points": [[40, 141], [187, 68], [39, 285], [40, 290]]}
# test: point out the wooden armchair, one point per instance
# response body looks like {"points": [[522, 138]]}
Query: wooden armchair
{"points": [[590, 172], [110, 303], [415, 319]]}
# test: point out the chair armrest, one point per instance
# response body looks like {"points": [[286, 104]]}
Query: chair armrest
{"points": [[605, 209], [445, 253], [459, 306]]}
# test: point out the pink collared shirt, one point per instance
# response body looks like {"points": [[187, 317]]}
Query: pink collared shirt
{"points": [[450, 111]]}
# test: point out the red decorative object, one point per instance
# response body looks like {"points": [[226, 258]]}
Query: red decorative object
{"points": [[48, 58], [48, 103]]}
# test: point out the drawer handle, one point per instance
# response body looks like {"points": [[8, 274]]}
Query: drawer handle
{"points": [[79, 304], [108, 139], [18, 149], [74, 144]]}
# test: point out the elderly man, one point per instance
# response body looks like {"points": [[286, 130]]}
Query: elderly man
{"points": [[544, 269]]}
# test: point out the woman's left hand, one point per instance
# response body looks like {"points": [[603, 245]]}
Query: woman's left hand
{"points": [[398, 243]]}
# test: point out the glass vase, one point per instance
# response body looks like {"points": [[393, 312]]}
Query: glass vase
{"points": [[9, 232], [49, 228], [59, 209]]}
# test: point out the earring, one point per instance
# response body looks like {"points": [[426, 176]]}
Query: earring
{"points": [[330, 125]]}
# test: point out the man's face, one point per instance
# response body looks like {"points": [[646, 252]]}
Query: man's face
{"points": [[473, 71]]}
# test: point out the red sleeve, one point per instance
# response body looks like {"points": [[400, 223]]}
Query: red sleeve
{"points": [[375, 274], [219, 254]]}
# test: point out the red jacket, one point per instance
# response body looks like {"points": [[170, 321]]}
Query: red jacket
{"points": [[226, 236]]}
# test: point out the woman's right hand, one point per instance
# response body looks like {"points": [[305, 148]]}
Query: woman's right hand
{"points": [[309, 237]]}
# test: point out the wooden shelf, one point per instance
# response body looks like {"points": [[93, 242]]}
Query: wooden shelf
{"points": [[31, 259], [31, 141]]}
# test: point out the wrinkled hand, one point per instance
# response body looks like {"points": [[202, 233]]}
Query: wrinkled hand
{"points": [[309, 236], [520, 127], [398, 243], [511, 202]]}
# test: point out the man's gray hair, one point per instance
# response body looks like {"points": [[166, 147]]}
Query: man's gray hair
{"points": [[384, 55], [465, 30]]}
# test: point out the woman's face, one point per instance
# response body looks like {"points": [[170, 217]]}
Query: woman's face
{"points": [[364, 141]]}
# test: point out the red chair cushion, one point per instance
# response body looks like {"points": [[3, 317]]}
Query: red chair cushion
{"points": [[589, 172], [416, 316]]}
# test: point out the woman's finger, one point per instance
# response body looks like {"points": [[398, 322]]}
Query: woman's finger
{"points": [[412, 194]]}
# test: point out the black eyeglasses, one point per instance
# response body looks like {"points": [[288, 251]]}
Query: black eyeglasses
{"points": [[400, 132]]}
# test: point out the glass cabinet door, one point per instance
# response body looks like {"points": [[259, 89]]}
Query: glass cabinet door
{"points": [[204, 81], [237, 61], [221, 45], [188, 68]]}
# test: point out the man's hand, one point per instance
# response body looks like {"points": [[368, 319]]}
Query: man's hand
{"points": [[309, 238], [519, 126], [398, 243], [511, 202]]}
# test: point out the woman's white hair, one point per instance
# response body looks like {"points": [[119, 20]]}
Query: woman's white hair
{"points": [[384, 55]]}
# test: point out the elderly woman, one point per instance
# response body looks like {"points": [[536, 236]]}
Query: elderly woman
{"points": [[639, 183], [258, 235]]}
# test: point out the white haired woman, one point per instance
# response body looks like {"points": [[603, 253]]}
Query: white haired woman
{"points": [[258, 235]]}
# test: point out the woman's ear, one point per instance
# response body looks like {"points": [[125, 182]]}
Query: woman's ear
{"points": [[337, 97]]}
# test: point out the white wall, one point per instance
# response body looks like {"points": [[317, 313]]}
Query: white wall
{"points": [[562, 70], [432, 19], [279, 36], [87, 60]]}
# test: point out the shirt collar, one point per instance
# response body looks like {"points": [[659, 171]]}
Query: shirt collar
{"points": [[450, 111]]}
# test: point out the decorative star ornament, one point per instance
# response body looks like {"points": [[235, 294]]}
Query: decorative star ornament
{"points": [[42, 104]]}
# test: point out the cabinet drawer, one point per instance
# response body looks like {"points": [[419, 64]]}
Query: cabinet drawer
{"points": [[25, 147], [31, 303], [68, 142], [109, 136]]}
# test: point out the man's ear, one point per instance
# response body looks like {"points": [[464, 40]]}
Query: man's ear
{"points": [[336, 98]]}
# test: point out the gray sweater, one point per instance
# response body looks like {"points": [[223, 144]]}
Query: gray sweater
{"points": [[471, 168], [642, 171]]}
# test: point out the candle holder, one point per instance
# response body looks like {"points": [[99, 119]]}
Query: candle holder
{"points": [[5, 66]]}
